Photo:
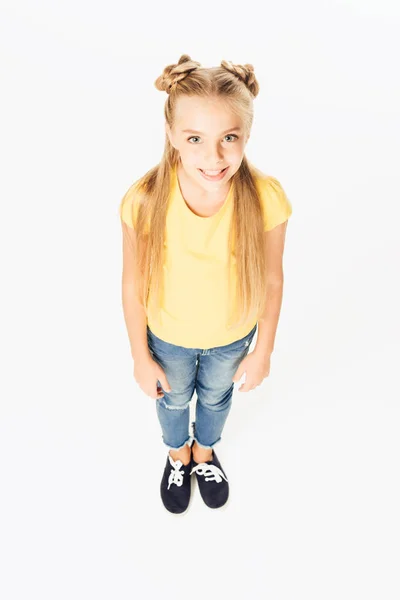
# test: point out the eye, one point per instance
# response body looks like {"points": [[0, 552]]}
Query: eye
{"points": [[229, 135]]}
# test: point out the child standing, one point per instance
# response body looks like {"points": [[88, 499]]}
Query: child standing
{"points": [[203, 241]]}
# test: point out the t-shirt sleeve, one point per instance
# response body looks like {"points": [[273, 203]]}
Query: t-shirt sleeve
{"points": [[276, 206], [128, 207]]}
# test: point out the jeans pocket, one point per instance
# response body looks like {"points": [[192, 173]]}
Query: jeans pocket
{"points": [[164, 351], [246, 341], [239, 348]]}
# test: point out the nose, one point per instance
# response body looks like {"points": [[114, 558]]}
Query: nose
{"points": [[213, 156]]}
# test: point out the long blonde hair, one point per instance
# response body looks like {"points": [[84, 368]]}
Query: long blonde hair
{"points": [[235, 85]]}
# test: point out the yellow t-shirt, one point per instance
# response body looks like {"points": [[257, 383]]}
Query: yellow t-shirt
{"points": [[196, 304]]}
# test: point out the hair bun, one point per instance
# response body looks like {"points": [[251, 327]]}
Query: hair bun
{"points": [[245, 73], [174, 73]]}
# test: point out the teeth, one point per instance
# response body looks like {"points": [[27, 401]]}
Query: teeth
{"points": [[213, 172]]}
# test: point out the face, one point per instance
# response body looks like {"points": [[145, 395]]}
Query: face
{"points": [[208, 137]]}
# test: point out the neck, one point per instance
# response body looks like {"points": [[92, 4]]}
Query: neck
{"points": [[196, 189]]}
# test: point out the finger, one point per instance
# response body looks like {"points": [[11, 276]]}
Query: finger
{"points": [[237, 376], [164, 383]]}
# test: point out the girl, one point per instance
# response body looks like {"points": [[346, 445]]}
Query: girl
{"points": [[203, 241]]}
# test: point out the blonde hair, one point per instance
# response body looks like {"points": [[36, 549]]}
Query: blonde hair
{"points": [[235, 85]]}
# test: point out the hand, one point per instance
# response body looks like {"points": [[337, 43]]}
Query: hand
{"points": [[147, 373], [257, 367]]}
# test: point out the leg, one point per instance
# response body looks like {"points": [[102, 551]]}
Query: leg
{"points": [[214, 387], [179, 365]]}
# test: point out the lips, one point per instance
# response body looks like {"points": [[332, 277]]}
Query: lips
{"points": [[211, 172], [213, 175]]}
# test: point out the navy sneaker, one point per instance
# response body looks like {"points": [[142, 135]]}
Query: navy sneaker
{"points": [[175, 485], [212, 481]]}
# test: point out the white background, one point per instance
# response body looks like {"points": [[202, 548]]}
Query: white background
{"points": [[312, 455]]}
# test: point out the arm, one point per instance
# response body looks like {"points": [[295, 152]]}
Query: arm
{"points": [[134, 313], [268, 322]]}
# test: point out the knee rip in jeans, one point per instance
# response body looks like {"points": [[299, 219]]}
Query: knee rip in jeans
{"points": [[172, 406]]}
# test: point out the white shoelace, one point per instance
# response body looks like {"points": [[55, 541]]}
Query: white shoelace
{"points": [[176, 475], [212, 472]]}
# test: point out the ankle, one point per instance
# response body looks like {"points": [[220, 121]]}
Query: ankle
{"points": [[183, 454], [201, 454]]}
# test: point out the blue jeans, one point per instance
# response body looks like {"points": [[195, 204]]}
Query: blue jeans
{"points": [[210, 373]]}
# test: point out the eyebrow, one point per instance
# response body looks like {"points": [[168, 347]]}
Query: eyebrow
{"points": [[200, 133]]}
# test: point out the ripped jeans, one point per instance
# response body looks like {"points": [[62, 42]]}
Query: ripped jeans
{"points": [[210, 373]]}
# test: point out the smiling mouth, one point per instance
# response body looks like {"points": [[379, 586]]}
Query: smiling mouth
{"points": [[211, 173]]}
